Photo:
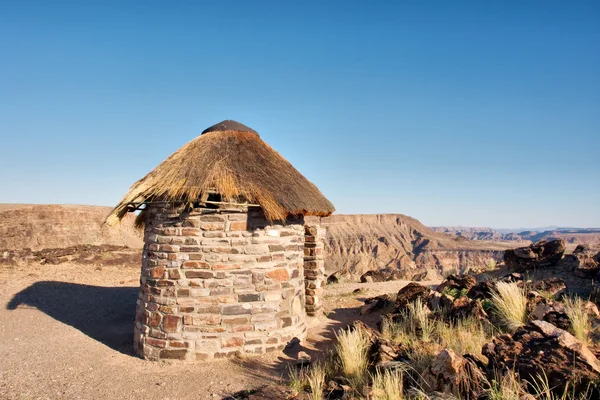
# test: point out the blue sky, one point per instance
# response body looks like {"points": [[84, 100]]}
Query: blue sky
{"points": [[478, 113]]}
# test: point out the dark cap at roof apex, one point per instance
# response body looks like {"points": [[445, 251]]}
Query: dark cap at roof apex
{"points": [[228, 125]]}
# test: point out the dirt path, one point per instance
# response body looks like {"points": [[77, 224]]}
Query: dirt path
{"points": [[66, 333]]}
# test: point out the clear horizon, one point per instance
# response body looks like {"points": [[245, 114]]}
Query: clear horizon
{"points": [[469, 113]]}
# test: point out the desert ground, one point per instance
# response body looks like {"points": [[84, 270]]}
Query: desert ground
{"points": [[67, 333]]}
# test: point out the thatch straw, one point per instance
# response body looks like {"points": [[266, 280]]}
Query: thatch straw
{"points": [[236, 164]]}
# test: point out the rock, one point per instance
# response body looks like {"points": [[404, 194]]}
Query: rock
{"points": [[512, 278], [410, 293], [457, 282], [373, 304], [439, 302], [556, 287], [337, 390], [381, 275], [542, 347], [303, 359], [553, 312], [429, 275], [449, 373], [538, 255], [333, 278], [464, 307], [584, 262], [482, 290]]}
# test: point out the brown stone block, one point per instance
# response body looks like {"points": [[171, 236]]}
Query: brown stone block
{"points": [[214, 235], [158, 272], [168, 354], [190, 232], [174, 274], [164, 283], [184, 292], [209, 226], [209, 310], [178, 344], [223, 354], [154, 320], [168, 309], [156, 342], [216, 267], [191, 241], [191, 249], [278, 257], [169, 248], [153, 247], [195, 265], [178, 240], [212, 218], [171, 323], [236, 321], [235, 309], [233, 342], [279, 274], [186, 309], [242, 328], [250, 297], [238, 226]]}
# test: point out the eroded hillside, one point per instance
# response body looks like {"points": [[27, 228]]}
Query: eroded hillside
{"points": [[40, 227], [358, 243]]}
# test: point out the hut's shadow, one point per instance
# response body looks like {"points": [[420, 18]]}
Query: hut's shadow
{"points": [[106, 314]]}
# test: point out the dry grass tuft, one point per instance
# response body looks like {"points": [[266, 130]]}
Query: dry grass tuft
{"points": [[388, 385], [297, 379], [579, 317], [316, 380], [510, 303], [352, 347], [505, 387], [465, 336]]}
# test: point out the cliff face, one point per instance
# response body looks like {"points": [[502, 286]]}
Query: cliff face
{"points": [[40, 227], [358, 243]]}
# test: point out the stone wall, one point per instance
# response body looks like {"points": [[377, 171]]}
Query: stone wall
{"points": [[217, 282], [314, 268]]}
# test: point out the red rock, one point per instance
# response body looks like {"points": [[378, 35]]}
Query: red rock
{"points": [[279, 275]]}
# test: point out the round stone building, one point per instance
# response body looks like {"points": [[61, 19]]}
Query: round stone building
{"points": [[228, 265]]}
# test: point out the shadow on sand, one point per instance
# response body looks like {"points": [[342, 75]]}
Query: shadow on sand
{"points": [[106, 314]]}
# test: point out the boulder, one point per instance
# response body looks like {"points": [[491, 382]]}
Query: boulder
{"points": [[584, 262], [512, 278], [378, 303], [457, 282], [538, 255], [555, 287], [410, 293], [381, 275], [553, 312], [483, 290], [451, 373], [429, 275], [463, 307], [439, 302], [541, 348]]}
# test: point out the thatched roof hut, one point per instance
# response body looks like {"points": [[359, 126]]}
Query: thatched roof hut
{"points": [[229, 161]]}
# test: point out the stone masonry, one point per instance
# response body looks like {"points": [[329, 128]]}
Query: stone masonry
{"points": [[314, 268], [216, 282]]}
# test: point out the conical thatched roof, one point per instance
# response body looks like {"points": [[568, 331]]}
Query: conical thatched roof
{"points": [[229, 159]]}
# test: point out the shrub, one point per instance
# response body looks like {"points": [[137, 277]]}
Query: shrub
{"points": [[510, 305]]}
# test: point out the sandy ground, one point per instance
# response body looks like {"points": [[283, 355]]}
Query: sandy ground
{"points": [[66, 332]]}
